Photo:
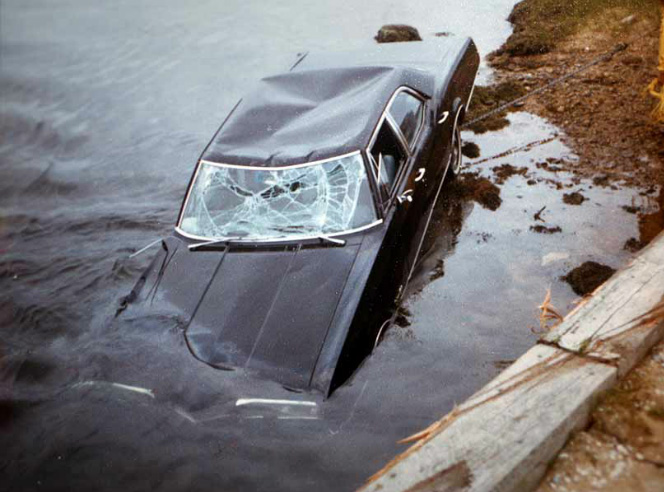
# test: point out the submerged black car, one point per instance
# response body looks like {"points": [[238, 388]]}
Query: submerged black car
{"points": [[306, 212]]}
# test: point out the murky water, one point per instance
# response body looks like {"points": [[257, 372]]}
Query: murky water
{"points": [[104, 110]]}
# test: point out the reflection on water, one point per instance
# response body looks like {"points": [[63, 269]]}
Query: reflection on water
{"points": [[501, 269], [651, 217], [105, 108]]}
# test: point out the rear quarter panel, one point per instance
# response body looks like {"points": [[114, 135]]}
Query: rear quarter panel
{"points": [[453, 90]]}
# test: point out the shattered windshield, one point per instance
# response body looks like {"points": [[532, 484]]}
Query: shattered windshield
{"points": [[319, 199]]}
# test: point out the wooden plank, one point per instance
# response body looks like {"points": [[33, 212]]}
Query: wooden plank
{"points": [[654, 252], [608, 325], [505, 435]]}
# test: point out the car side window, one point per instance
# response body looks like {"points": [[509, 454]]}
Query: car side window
{"points": [[388, 156], [407, 110]]}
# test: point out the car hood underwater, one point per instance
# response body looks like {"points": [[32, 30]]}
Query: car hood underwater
{"points": [[280, 312]]}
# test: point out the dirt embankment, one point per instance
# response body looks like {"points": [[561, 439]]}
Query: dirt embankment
{"points": [[603, 111]]}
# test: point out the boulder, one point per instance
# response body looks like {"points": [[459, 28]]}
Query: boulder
{"points": [[394, 33]]}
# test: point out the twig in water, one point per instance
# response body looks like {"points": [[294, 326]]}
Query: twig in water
{"points": [[538, 215], [549, 317]]}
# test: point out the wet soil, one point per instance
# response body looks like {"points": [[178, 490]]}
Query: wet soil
{"points": [[623, 449], [545, 230], [604, 112], [504, 171], [587, 277], [634, 245], [471, 186], [574, 198], [470, 150]]}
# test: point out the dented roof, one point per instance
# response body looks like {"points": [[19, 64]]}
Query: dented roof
{"points": [[327, 105]]}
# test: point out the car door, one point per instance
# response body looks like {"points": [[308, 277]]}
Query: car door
{"points": [[401, 186], [409, 112]]}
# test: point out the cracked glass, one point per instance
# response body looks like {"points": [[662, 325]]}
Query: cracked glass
{"points": [[287, 203]]}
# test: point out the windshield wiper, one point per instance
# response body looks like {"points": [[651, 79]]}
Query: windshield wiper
{"points": [[213, 243], [324, 238]]}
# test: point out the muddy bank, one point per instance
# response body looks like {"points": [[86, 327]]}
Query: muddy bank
{"points": [[603, 111]]}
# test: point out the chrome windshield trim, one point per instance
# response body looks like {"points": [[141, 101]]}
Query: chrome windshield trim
{"points": [[280, 239], [281, 168]]}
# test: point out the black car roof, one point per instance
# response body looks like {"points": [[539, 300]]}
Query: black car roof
{"points": [[328, 104]]}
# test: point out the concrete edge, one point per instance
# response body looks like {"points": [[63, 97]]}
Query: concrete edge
{"points": [[505, 436]]}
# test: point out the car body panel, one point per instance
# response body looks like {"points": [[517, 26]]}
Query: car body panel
{"points": [[270, 312]]}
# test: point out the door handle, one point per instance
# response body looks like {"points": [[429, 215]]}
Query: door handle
{"points": [[420, 174], [406, 196], [443, 117]]}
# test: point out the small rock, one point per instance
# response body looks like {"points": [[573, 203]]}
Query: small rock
{"points": [[574, 198], [394, 33], [601, 180], [630, 19], [586, 278], [540, 229], [630, 209], [504, 171], [633, 245], [473, 187], [470, 150]]}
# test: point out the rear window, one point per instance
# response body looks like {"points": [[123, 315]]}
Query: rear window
{"points": [[388, 157], [407, 111]]}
